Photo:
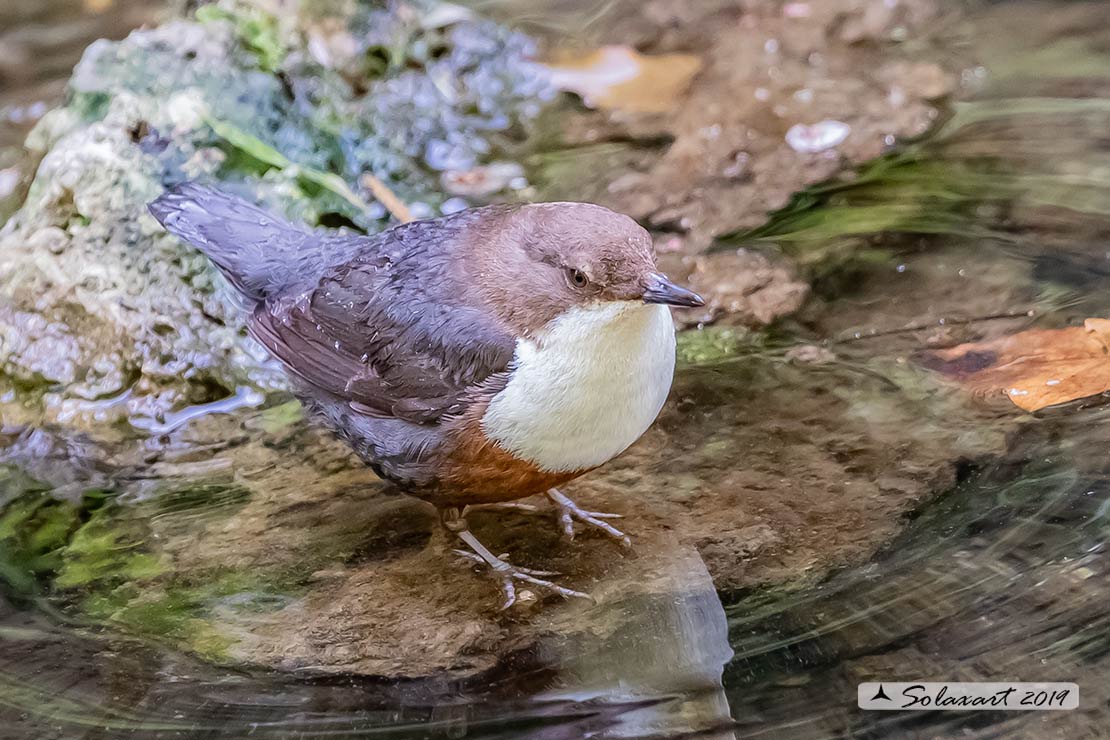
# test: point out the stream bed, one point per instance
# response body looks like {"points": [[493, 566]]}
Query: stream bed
{"points": [[820, 503]]}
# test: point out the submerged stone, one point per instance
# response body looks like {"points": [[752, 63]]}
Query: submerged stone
{"points": [[279, 549]]}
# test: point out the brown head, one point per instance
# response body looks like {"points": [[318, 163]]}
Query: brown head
{"points": [[534, 262]]}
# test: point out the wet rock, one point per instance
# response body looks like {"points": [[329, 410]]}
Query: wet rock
{"points": [[744, 286], [811, 353], [946, 297], [873, 22], [926, 80]]}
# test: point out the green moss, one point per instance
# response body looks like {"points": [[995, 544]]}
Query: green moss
{"points": [[256, 29]]}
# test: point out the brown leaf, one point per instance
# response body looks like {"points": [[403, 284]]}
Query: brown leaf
{"points": [[617, 77], [1035, 368]]}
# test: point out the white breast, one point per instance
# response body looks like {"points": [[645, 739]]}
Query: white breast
{"points": [[586, 387]]}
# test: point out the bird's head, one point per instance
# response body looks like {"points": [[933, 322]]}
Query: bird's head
{"points": [[536, 262]]}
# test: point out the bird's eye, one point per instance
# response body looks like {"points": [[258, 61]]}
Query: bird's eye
{"points": [[577, 278]]}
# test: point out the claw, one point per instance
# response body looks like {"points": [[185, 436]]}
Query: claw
{"points": [[568, 512], [528, 571], [505, 572], [510, 594]]}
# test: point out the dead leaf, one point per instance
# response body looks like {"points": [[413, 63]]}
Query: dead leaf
{"points": [[1035, 368], [620, 78]]}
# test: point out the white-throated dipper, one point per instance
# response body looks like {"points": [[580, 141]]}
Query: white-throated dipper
{"points": [[472, 359]]}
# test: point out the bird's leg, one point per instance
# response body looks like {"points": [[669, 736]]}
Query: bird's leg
{"points": [[567, 512], [454, 521]]}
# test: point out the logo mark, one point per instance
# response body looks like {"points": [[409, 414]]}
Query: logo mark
{"points": [[880, 694]]}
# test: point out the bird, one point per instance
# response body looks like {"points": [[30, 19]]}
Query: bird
{"points": [[471, 360]]}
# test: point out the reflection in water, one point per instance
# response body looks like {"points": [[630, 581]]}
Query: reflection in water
{"points": [[671, 647], [242, 398], [1001, 578], [658, 675], [126, 689]]}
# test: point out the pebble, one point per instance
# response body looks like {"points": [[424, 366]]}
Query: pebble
{"points": [[453, 205], [817, 138], [484, 180], [796, 10], [9, 181]]}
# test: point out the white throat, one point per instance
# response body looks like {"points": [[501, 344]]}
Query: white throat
{"points": [[586, 387]]}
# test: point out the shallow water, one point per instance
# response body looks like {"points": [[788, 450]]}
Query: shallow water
{"points": [[999, 576]]}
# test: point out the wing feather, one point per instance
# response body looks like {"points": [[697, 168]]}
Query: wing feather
{"points": [[391, 331]]}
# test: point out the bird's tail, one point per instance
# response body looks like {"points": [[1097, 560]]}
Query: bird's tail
{"points": [[258, 252]]}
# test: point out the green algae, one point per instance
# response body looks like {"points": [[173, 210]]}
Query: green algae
{"points": [[278, 418], [185, 610], [64, 545], [712, 344], [104, 551], [34, 530], [100, 557]]}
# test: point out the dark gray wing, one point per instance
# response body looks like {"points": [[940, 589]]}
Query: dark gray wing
{"points": [[393, 331]]}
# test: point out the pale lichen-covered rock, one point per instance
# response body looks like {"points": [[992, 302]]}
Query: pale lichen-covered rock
{"points": [[104, 316], [99, 302]]}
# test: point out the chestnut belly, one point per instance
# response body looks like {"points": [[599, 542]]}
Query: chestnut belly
{"points": [[478, 471]]}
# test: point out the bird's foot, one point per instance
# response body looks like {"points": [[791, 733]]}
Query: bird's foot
{"points": [[506, 573], [568, 512]]}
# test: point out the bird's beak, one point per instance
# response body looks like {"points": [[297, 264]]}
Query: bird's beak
{"points": [[662, 290]]}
